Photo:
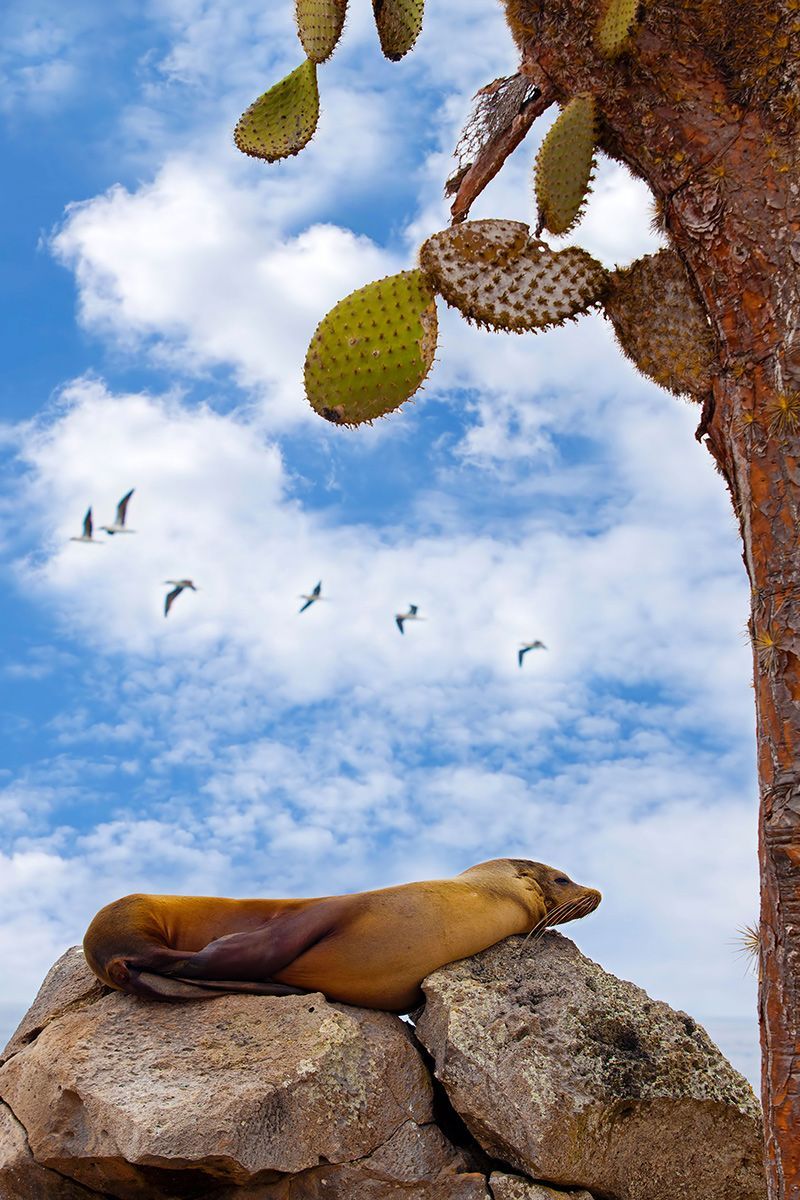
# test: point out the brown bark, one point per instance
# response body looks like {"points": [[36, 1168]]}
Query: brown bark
{"points": [[726, 173]]}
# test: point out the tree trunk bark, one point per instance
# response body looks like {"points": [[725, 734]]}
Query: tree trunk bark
{"points": [[727, 179]]}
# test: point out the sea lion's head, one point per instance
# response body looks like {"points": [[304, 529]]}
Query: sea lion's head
{"points": [[564, 900]]}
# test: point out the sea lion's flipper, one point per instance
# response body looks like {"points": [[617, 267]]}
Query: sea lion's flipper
{"points": [[164, 987], [258, 954]]}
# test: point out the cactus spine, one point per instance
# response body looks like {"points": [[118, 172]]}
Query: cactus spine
{"points": [[283, 120], [564, 165], [373, 349]]}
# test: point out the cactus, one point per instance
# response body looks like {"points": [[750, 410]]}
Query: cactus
{"points": [[399, 23], [283, 120], [615, 26], [564, 165], [496, 274], [660, 323], [373, 349], [319, 24]]}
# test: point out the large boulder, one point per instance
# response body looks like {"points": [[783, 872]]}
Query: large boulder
{"points": [[141, 1099], [581, 1080]]}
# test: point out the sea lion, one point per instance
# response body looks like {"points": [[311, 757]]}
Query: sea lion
{"points": [[372, 949]]}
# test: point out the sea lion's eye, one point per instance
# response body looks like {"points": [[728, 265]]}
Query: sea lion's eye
{"points": [[561, 879]]}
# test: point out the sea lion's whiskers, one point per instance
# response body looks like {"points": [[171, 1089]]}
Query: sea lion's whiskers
{"points": [[556, 914]]}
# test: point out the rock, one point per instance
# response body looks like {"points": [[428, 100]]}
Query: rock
{"points": [[415, 1164], [136, 1098], [69, 983], [514, 1187], [580, 1079], [21, 1177]]}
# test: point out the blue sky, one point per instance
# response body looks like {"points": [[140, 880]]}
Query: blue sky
{"points": [[160, 292]]}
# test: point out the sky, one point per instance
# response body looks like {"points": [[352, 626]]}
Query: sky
{"points": [[160, 292]]}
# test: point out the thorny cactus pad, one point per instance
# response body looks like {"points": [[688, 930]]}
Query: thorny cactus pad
{"points": [[495, 273], [319, 25], [660, 323], [283, 120], [399, 24], [564, 165], [373, 349], [615, 26]]}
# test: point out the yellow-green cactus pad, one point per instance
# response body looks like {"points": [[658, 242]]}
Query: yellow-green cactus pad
{"points": [[373, 349], [319, 24], [496, 274], [660, 323], [399, 23], [564, 165], [283, 120], [615, 26]]}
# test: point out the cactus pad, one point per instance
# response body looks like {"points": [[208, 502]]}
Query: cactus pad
{"points": [[660, 323], [564, 165], [496, 274], [399, 23], [373, 349], [319, 24], [615, 26], [281, 121]]}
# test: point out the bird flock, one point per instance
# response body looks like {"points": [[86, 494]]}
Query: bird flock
{"points": [[119, 525]]}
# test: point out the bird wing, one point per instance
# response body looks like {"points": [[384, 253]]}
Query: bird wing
{"points": [[412, 608], [170, 597], [521, 654], [307, 604], [399, 622], [87, 523], [122, 507], [317, 589]]}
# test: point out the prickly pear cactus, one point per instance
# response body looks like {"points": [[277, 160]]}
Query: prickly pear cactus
{"points": [[373, 349], [319, 24], [399, 23], [615, 26], [496, 274], [283, 120], [564, 165], [660, 323]]}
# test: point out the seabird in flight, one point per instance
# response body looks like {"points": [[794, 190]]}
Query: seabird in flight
{"points": [[178, 585], [86, 536], [411, 615], [119, 520], [312, 597], [526, 646]]}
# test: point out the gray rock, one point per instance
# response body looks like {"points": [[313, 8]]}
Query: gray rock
{"points": [[139, 1099], [580, 1079]]}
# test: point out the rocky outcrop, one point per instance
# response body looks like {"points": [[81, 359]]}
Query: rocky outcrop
{"points": [[565, 1084], [578, 1078], [138, 1099]]}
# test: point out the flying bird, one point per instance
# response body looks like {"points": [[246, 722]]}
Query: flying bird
{"points": [[312, 597], [119, 525], [526, 646], [411, 615], [86, 536], [178, 586]]}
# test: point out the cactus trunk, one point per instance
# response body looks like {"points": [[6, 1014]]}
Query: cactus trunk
{"points": [[725, 167]]}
